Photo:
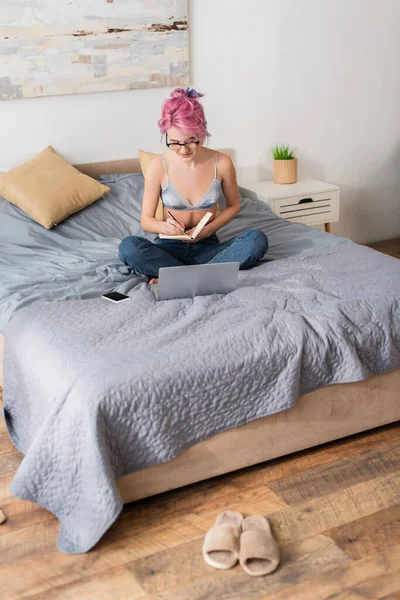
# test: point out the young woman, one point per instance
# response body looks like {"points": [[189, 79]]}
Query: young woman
{"points": [[190, 179]]}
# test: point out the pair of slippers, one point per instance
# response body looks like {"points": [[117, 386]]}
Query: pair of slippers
{"points": [[249, 541]]}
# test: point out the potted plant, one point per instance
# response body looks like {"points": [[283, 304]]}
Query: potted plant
{"points": [[285, 164]]}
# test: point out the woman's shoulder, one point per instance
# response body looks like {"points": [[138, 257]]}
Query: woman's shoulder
{"points": [[155, 170], [223, 157], [225, 164]]}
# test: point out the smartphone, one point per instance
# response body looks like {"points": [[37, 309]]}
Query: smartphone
{"points": [[115, 297]]}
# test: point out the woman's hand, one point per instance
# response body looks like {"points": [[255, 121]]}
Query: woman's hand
{"points": [[172, 227], [203, 234]]}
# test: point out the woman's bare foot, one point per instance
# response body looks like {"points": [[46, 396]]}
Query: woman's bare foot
{"points": [[153, 280]]}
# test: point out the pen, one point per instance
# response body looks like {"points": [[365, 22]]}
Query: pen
{"points": [[172, 217]]}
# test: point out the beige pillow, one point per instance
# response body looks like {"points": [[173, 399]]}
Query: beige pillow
{"points": [[49, 189], [146, 158]]}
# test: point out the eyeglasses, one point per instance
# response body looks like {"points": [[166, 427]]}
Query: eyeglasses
{"points": [[176, 146]]}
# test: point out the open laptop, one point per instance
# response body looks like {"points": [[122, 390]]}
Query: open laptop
{"points": [[189, 281]]}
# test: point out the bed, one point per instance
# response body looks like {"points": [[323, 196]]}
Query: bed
{"points": [[322, 415]]}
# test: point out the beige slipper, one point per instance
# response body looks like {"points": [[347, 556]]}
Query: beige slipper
{"points": [[259, 552], [221, 543]]}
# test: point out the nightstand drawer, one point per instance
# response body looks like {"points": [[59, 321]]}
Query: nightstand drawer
{"points": [[309, 208]]}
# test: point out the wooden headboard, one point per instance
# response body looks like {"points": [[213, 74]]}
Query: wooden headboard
{"points": [[127, 165]]}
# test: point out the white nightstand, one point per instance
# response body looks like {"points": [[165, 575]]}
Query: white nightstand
{"points": [[308, 201]]}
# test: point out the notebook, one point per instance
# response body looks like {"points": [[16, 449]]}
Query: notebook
{"points": [[193, 234]]}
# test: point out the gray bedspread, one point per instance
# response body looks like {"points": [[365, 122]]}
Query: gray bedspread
{"points": [[79, 258], [94, 391]]}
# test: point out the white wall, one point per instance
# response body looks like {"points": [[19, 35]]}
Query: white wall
{"points": [[321, 75]]}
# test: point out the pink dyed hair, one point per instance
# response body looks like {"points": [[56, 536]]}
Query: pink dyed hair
{"points": [[183, 111]]}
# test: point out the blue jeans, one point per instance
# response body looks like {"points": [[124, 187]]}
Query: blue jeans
{"points": [[145, 257]]}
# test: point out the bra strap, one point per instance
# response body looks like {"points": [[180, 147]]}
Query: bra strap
{"points": [[216, 164], [165, 168]]}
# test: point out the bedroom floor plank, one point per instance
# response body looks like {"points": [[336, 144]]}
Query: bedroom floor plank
{"points": [[322, 514], [22, 514], [176, 567], [332, 477], [114, 584], [372, 577], [374, 533], [9, 463], [6, 445], [391, 247]]}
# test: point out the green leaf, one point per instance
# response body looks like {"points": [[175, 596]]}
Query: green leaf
{"points": [[282, 152]]}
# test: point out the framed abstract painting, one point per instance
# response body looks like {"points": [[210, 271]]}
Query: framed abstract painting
{"points": [[54, 47]]}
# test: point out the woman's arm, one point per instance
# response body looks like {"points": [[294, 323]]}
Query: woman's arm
{"points": [[151, 195], [231, 193]]}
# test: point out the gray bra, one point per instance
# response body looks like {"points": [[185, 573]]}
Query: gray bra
{"points": [[172, 198]]}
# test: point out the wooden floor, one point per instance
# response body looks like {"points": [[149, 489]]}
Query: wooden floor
{"points": [[334, 510], [391, 247]]}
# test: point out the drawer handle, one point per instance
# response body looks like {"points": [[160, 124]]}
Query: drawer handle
{"points": [[305, 200]]}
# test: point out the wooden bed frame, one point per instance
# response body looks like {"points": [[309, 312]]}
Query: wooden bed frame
{"points": [[327, 414]]}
